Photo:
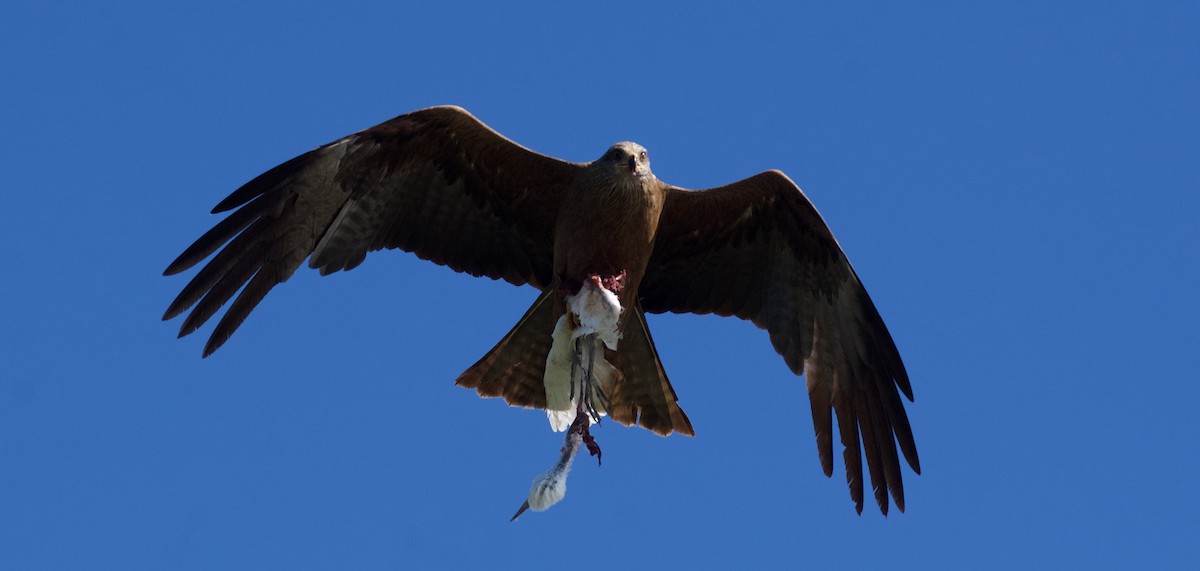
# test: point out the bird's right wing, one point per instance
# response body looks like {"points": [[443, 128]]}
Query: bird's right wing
{"points": [[436, 182]]}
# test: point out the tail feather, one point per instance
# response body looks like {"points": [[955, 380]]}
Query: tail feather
{"points": [[515, 369], [644, 396]]}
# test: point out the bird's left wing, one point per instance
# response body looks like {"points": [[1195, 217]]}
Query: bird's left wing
{"points": [[757, 249], [436, 182]]}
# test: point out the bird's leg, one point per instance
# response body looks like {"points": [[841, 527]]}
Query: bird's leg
{"points": [[589, 385], [585, 410], [590, 389], [581, 427]]}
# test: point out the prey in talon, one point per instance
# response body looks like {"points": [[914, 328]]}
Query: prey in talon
{"points": [[550, 487], [585, 331]]}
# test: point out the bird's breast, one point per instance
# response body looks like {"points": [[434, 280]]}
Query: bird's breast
{"points": [[605, 233]]}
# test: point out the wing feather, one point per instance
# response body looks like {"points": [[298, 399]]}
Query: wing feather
{"points": [[758, 249], [436, 182]]}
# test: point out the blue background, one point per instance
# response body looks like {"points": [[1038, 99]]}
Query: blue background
{"points": [[1016, 184]]}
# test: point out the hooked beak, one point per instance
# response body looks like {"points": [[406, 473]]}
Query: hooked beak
{"points": [[633, 166]]}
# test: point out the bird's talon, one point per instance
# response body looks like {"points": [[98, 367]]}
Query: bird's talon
{"points": [[593, 448]]}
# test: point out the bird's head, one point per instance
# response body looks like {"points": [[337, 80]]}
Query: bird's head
{"points": [[627, 158]]}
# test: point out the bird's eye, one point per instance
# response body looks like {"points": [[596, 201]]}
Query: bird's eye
{"points": [[642, 155]]}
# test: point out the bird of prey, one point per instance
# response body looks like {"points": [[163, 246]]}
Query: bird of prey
{"points": [[439, 183]]}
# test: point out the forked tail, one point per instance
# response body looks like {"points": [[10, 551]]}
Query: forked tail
{"points": [[515, 369]]}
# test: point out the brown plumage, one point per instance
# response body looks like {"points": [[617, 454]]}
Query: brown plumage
{"points": [[441, 184]]}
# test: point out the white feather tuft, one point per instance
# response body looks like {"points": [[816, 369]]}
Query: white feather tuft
{"points": [[548, 489], [598, 310], [560, 407]]}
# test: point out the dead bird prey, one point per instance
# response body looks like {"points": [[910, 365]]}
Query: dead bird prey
{"points": [[605, 242]]}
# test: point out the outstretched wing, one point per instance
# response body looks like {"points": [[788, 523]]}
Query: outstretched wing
{"points": [[757, 249], [436, 182]]}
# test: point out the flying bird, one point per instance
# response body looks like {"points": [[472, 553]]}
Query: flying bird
{"points": [[605, 242]]}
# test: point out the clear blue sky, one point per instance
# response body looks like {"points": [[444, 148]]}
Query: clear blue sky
{"points": [[1016, 184]]}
